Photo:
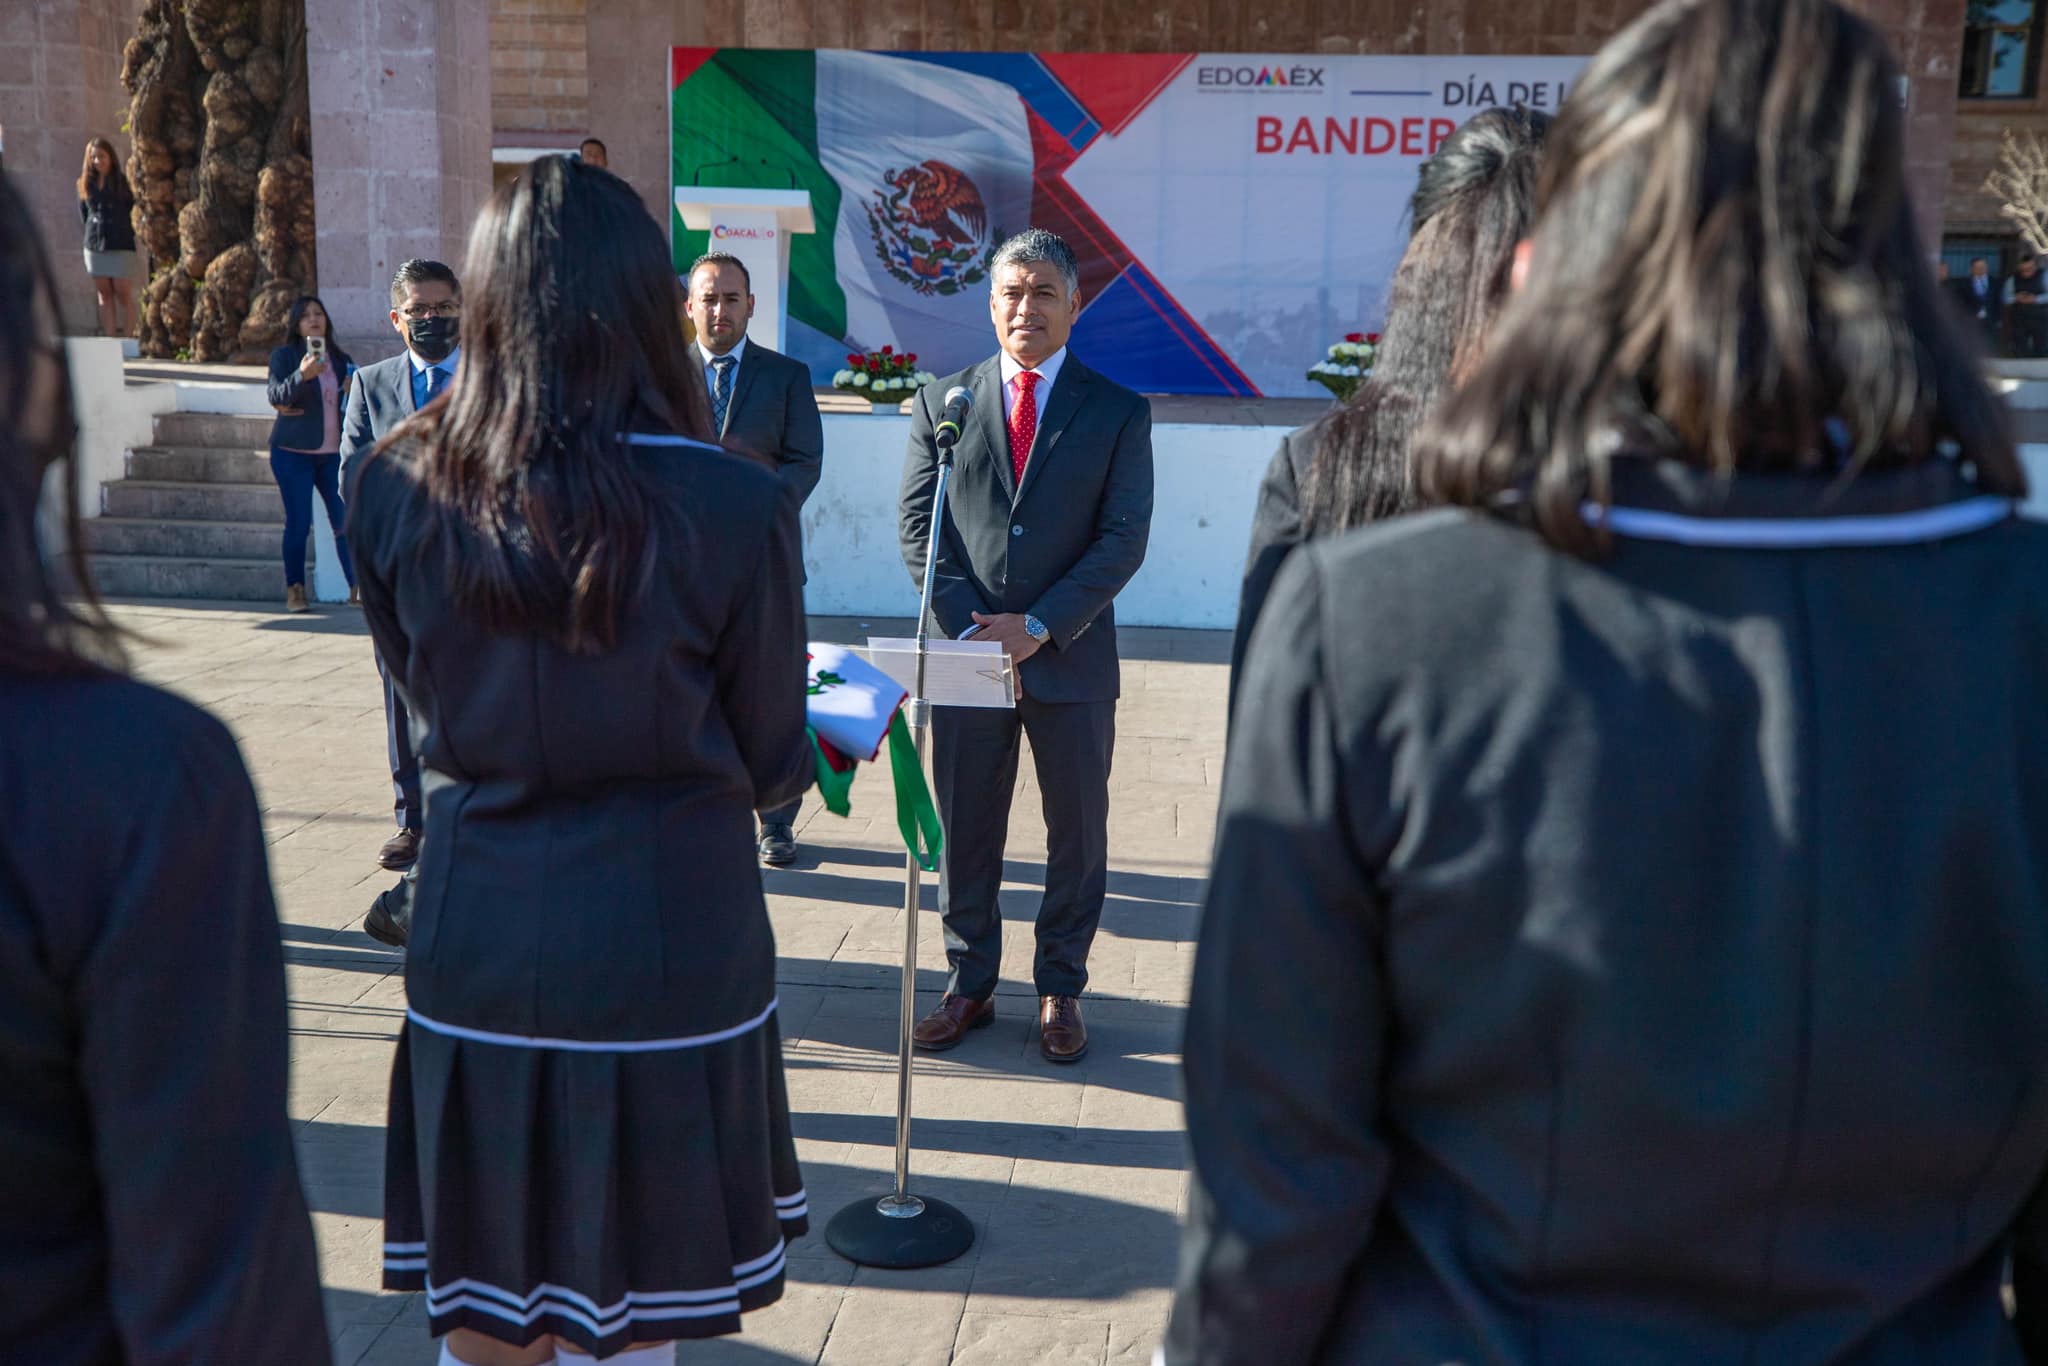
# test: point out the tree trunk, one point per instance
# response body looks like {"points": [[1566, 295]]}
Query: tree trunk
{"points": [[223, 173]]}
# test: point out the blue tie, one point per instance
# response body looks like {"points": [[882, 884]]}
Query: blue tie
{"points": [[437, 380], [721, 391]]}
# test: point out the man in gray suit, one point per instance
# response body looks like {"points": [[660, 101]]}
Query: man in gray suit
{"points": [[762, 404], [1047, 516], [426, 312]]}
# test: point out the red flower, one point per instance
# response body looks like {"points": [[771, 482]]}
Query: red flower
{"points": [[853, 360], [1372, 339], [888, 350], [1354, 336], [910, 359]]}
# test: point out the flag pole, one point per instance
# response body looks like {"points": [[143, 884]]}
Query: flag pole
{"points": [[902, 1230]]}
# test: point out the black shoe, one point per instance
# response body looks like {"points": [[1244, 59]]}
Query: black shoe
{"points": [[778, 844], [390, 917], [401, 851]]}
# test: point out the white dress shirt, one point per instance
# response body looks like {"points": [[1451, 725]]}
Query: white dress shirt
{"points": [[738, 354], [1048, 372]]}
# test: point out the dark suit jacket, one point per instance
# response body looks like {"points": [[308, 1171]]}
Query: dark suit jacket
{"points": [[1993, 301], [150, 1207], [1062, 546], [1633, 961], [378, 401], [304, 429], [773, 416]]}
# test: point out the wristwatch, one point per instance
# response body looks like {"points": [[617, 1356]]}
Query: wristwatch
{"points": [[1036, 629]]}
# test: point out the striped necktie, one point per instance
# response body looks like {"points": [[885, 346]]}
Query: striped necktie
{"points": [[721, 391]]}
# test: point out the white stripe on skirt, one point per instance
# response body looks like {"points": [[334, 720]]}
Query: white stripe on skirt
{"points": [[604, 1320], [589, 1045]]}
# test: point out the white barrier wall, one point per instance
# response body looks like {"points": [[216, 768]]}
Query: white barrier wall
{"points": [[1205, 480]]}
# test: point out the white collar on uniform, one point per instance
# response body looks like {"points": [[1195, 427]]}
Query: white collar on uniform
{"points": [[1048, 369]]}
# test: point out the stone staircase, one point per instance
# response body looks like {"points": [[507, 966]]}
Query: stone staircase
{"points": [[198, 515]]}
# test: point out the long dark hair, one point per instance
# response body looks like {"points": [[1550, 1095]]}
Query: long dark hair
{"points": [[89, 177], [292, 338], [50, 618], [1472, 204], [543, 515], [1725, 272]]}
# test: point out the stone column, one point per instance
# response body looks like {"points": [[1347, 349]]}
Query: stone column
{"points": [[401, 106], [60, 84]]}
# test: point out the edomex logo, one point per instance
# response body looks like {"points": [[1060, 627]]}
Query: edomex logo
{"points": [[1259, 80]]}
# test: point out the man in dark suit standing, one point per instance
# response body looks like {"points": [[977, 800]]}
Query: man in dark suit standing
{"points": [[1047, 517], [1982, 300], [426, 312], [762, 403]]}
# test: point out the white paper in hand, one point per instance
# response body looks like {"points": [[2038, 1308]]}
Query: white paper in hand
{"points": [[850, 701]]}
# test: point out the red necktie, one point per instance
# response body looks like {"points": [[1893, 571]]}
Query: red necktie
{"points": [[1023, 423]]}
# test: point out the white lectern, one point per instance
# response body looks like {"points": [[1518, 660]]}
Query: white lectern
{"points": [[754, 225]]}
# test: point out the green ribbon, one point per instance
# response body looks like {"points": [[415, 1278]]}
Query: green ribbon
{"points": [[916, 815], [833, 786]]}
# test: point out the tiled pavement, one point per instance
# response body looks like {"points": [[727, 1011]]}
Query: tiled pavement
{"points": [[1074, 1177]]}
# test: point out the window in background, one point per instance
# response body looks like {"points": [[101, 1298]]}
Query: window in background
{"points": [[2001, 49]]}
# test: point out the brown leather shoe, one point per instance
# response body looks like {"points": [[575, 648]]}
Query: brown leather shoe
{"points": [[949, 1024], [1061, 1035], [402, 850]]}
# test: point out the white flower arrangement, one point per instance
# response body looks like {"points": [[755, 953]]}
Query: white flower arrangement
{"points": [[1346, 364]]}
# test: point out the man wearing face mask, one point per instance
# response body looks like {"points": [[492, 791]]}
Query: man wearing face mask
{"points": [[426, 312]]}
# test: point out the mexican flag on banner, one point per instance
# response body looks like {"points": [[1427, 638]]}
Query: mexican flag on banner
{"points": [[908, 210]]}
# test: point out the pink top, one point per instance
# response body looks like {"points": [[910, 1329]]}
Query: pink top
{"points": [[330, 414]]}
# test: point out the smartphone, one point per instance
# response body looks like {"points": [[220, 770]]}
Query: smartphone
{"points": [[318, 346]]}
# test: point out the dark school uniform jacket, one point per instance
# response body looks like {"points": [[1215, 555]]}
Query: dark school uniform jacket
{"points": [[1634, 960], [150, 1207], [588, 870]]}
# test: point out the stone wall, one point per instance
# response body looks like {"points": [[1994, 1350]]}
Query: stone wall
{"points": [[1979, 135], [400, 97], [627, 39], [539, 82], [60, 84]]}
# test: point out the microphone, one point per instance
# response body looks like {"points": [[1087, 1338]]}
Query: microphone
{"points": [[959, 399]]}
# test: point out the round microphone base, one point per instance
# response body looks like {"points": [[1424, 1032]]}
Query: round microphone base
{"points": [[899, 1234]]}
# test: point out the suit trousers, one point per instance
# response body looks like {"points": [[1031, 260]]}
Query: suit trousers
{"points": [[405, 765], [974, 765]]}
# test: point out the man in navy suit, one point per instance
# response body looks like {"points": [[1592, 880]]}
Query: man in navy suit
{"points": [[762, 403], [426, 312]]}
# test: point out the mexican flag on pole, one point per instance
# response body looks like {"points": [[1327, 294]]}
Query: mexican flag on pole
{"points": [[908, 210], [851, 706]]}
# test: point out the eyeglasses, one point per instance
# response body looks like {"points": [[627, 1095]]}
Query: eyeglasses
{"points": [[447, 308]]}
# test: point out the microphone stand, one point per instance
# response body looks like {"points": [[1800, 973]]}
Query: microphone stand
{"points": [[902, 1230]]}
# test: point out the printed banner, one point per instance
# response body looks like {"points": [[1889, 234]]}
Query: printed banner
{"points": [[1233, 214]]}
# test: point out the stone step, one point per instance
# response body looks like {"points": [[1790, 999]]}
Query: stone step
{"points": [[198, 465], [193, 502], [165, 576], [185, 539], [213, 429]]}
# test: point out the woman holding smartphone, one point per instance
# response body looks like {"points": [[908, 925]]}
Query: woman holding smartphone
{"points": [[309, 377]]}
